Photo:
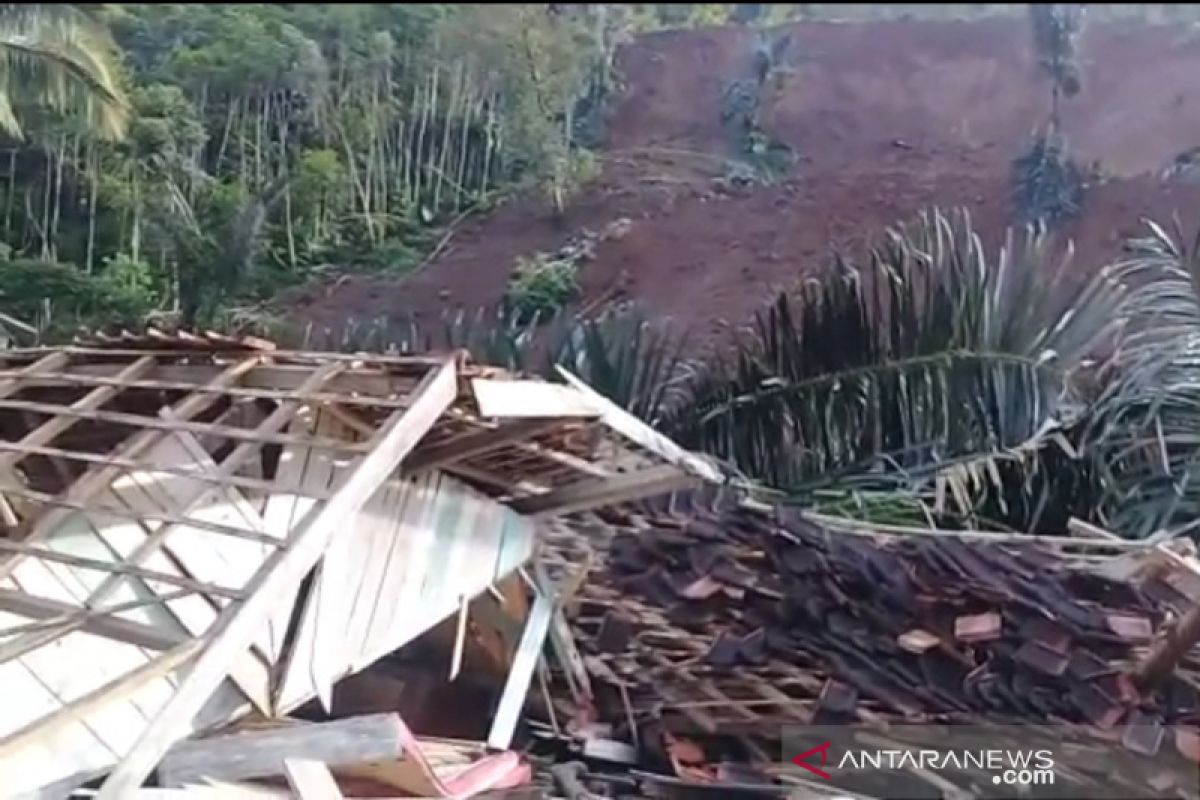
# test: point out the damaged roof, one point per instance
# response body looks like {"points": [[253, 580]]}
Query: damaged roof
{"points": [[162, 498], [721, 628]]}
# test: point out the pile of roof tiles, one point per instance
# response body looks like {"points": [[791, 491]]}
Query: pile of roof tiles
{"points": [[731, 624]]}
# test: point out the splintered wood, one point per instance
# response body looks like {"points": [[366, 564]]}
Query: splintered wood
{"points": [[212, 525]]}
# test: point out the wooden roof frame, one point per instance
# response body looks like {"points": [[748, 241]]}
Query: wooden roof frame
{"points": [[519, 440]]}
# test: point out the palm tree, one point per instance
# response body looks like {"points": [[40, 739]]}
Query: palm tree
{"points": [[1147, 423], [61, 57], [932, 372]]}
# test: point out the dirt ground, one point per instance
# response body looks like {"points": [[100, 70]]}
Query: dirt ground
{"points": [[886, 118]]}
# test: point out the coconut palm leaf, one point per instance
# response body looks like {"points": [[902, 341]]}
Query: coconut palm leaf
{"points": [[1147, 427], [60, 57], [930, 364]]}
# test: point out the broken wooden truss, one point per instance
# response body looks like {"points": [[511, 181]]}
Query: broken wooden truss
{"points": [[163, 507]]}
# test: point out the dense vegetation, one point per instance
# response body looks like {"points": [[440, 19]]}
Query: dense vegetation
{"points": [[204, 156], [263, 141]]}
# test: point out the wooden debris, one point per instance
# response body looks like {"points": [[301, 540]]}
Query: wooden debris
{"points": [[262, 753], [164, 495]]}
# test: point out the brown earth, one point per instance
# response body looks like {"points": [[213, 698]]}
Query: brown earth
{"points": [[887, 118]]}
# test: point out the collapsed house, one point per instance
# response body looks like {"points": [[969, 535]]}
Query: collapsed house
{"points": [[194, 528], [716, 635]]}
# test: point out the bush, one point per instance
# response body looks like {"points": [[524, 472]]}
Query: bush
{"points": [[58, 298], [541, 285]]}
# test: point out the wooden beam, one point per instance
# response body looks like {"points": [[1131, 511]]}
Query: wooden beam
{"points": [[15, 381], [180, 423], [311, 780], [642, 434], [258, 386], [92, 401], [239, 623], [133, 465], [140, 515], [100, 622], [262, 753], [504, 722], [156, 539], [597, 492], [94, 481], [119, 568], [420, 364], [475, 443]]}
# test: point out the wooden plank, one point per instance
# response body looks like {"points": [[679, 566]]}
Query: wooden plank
{"points": [[13, 382], [301, 472], [93, 400], [270, 381], [311, 780], [642, 434], [120, 568], [284, 570], [101, 622], [404, 562], [97, 479], [147, 514], [296, 683], [369, 554], [418, 364], [504, 724], [179, 423], [261, 753], [475, 443], [597, 492], [103, 459], [288, 377], [501, 399]]}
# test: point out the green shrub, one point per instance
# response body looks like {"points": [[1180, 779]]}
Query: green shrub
{"points": [[58, 298], [541, 285]]}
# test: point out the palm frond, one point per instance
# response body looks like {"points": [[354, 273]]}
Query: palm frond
{"points": [[929, 361], [1148, 423], [60, 57]]}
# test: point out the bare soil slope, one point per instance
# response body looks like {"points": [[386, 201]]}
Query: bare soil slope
{"points": [[886, 118]]}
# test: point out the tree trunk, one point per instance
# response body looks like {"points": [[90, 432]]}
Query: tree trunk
{"points": [[58, 184], [135, 247], [91, 235], [287, 224], [46, 205], [12, 191]]}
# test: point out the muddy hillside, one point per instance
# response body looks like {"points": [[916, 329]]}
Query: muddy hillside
{"points": [[883, 119]]}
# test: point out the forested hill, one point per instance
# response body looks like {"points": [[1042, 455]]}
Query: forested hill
{"points": [[193, 160], [266, 140]]}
